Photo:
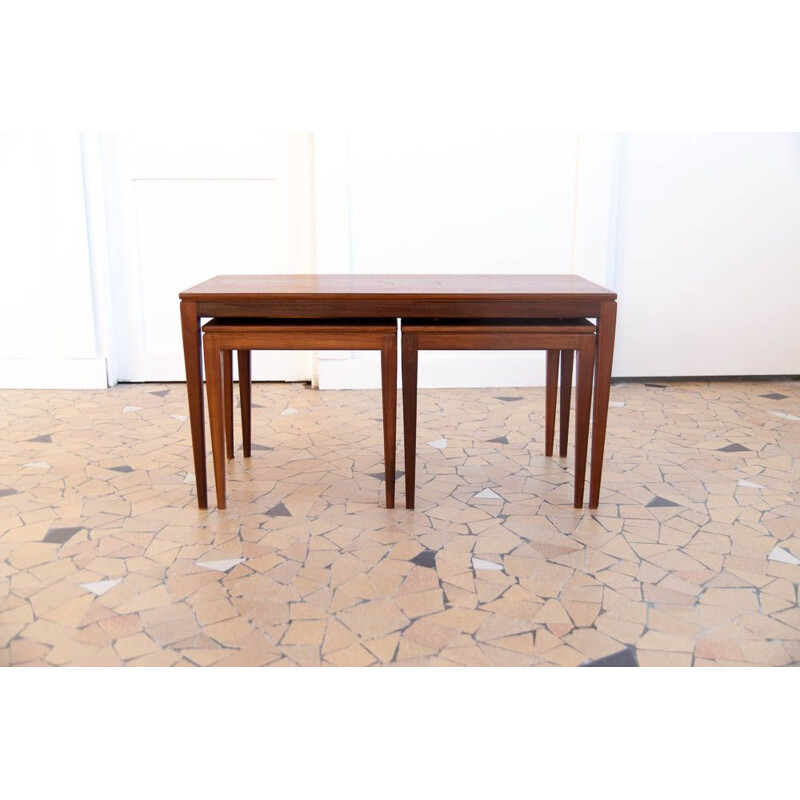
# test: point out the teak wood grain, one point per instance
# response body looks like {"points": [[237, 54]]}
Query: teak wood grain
{"points": [[544, 288], [410, 296]]}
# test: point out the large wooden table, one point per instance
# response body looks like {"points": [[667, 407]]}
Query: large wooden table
{"points": [[453, 296]]}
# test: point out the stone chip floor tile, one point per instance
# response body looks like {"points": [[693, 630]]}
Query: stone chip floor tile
{"points": [[692, 558]]}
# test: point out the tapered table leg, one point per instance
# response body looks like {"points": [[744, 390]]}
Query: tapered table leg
{"points": [[215, 413], [551, 392], [583, 405], [227, 382], [389, 397], [606, 328], [193, 356], [410, 413], [567, 357], [245, 398]]}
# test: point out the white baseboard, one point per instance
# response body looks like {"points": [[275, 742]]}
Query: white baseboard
{"points": [[53, 373], [437, 370], [267, 366], [441, 370]]}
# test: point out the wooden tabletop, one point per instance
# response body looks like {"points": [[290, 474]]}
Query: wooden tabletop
{"points": [[429, 287]]}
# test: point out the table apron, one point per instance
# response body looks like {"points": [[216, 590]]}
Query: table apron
{"points": [[377, 306], [500, 341]]}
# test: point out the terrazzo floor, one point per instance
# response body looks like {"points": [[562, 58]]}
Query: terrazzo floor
{"points": [[693, 557]]}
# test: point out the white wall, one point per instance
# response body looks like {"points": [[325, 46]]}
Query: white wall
{"points": [[708, 255], [699, 234], [47, 325]]}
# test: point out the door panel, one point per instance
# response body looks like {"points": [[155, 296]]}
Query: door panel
{"points": [[192, 209], [473, 203], [499, 203]]}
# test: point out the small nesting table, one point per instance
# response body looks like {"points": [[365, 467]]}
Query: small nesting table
{"points": [[222, 336], [558, 337]]}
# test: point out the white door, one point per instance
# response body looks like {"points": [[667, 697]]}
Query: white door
{"points": [[467, 203], [181, 209]]}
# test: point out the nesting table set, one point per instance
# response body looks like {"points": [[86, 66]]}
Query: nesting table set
{"points": [[436, 312]]}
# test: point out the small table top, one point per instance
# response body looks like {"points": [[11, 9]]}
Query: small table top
{"points": [[423, 287]]}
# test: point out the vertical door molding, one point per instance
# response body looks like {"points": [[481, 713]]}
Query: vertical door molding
{"points": [[122, 252], [333, 239], [99, 263]]}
